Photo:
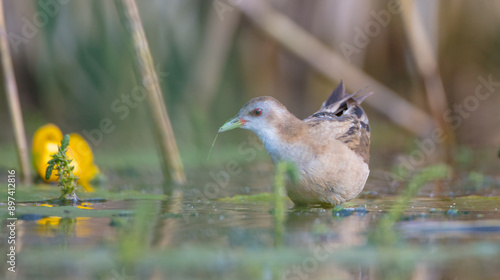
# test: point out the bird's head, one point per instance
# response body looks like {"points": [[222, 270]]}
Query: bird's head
{"points": [[258, 115]]}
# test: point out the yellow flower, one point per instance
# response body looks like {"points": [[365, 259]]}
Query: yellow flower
{"points": [[45, 143], [80, 150]]}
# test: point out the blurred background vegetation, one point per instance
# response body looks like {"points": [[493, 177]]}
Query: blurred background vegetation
{"points": [[75, 70]]}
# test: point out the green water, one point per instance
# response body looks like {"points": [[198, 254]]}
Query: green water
{"points": [[142, 235]]}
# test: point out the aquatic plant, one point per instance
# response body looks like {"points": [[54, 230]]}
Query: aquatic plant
{"points": [[284, 170], [385, 233], [67, 179], [45, 144], [279, 202]]}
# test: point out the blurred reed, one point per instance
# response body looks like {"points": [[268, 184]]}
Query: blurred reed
{"points": [[146, 75], [13, 102], [207, 70], [425, 59], [334, 67], [77, 65]]}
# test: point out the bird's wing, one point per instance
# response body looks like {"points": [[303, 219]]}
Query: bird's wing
{"points": [[345, 120], [337, 94], [339, 103]]}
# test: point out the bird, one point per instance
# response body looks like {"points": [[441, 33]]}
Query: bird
{"points": [[330, 149]]}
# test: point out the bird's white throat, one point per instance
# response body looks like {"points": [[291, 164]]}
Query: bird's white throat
{"points": [[275, 146]]}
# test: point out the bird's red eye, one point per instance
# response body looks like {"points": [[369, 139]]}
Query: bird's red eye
{"points": [[257, 112]]}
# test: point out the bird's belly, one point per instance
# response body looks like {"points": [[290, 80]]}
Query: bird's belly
{"points": [[330, 174], [329, 185]]}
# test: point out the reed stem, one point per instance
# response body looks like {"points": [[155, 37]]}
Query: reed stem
{"points": [[146, 74], [13, 102]]}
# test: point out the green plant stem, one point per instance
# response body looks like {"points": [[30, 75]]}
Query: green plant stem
{"points": [[279, 202], [384, 233], [211, 148], [67, 180]]}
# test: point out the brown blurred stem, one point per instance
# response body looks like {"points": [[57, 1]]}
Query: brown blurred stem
{"points": [[164, 229], [334, 67], [427, 66], [13, 102], [208, 68], [146, 74], [219, 35]]}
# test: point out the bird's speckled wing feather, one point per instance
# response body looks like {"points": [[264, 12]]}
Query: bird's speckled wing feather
{"points": [[345, 120]]}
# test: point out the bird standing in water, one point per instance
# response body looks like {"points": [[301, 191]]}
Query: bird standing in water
{"points": [[330, 149]]}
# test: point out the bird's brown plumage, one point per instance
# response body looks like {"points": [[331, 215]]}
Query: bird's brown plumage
{"points": [[330, 148]]}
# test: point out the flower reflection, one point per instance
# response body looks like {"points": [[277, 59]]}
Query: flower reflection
{"points": [[53, 226]]}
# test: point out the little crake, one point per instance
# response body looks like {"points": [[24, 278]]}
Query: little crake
{"points": [[330, 149]]}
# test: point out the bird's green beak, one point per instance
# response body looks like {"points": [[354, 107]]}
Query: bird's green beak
{"points": [[232, 124]]}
